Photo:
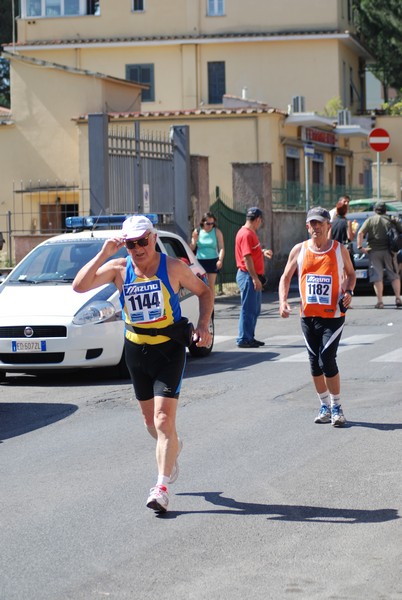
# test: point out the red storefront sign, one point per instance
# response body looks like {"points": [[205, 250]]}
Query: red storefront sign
{"points": [[318, 136]]}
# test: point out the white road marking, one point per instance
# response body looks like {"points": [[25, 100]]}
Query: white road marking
{"points": [[349, 343]]}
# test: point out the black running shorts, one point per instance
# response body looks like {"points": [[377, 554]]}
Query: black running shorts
{"points": [[155, 370]]}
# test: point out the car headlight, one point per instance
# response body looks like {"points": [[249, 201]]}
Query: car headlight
{"points": [[95, 312]]}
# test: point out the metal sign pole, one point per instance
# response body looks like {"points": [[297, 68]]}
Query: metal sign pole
{"points": [[308, 151], [378, 176], [379, 140], [306, 181]]}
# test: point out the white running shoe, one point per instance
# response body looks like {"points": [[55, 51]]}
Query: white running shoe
{"points": [[337, 416], [158, 499], [175, 472], [324, 416]]}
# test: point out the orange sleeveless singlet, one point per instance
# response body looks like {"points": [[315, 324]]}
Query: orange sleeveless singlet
{"points": [[320, 280]]}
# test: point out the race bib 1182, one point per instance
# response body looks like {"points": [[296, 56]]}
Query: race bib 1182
{"points": [[318, 289]]}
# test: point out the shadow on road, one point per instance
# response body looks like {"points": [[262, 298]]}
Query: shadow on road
{"points": [[379, 426], [284, 512], [21, 417]]}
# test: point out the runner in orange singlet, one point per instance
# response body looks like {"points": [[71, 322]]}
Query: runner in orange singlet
{"points": [[326, 282]]}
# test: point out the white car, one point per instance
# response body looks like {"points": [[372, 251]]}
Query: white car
{"points": [[45, 325]]}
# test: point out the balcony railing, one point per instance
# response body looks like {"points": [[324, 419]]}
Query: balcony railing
{"points": [[293, 195]]}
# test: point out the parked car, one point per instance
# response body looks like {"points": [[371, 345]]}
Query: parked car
{"points": [[45, 325], [367, 204], [361, 259]]}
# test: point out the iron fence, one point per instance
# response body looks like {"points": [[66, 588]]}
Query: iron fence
{"points": [[39, 210], [293, 195]]}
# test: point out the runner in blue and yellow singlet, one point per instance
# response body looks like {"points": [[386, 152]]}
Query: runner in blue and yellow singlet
{"points": [[149, 284]]}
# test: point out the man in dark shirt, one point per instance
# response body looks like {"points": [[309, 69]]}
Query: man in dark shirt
{"points": [[380, 257]]}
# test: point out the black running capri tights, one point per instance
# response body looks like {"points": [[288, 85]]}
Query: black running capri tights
{"points": [[322, 337]]}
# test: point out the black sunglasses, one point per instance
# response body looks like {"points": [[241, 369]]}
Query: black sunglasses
{"points": [[212, 223], [142, 242]]}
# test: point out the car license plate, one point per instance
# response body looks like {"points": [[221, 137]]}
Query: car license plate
{"points": [[29, 346], [361, 273]]}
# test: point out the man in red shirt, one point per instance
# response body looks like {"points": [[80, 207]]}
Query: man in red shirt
{"points": [[250, 265]]}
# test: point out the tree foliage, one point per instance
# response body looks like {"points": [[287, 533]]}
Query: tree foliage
{"points": [[379, 24], [4, 83], [6, 37], [332, 107]]}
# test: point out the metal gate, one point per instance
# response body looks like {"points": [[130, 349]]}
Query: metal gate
{"points": [[229, 222], [130, 172], [141, 172]]}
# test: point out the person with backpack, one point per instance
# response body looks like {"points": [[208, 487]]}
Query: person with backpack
{"points": [[375, 228]]}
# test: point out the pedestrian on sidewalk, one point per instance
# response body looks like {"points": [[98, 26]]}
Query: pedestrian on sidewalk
{"points": [[250, 276], [342, 230], [381, 259], [326, 282], [208, 245], [149, 283], [344, 201]]}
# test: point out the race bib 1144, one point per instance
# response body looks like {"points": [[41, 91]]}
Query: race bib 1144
{"points": [[318, 289], [144, 301]]}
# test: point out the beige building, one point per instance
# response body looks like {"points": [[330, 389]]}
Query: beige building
{"points": [[196, 62], [191, 52]]}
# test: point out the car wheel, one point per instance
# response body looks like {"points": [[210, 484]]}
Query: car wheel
{"points": [[201, 352]]}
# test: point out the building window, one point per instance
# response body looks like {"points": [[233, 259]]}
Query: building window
{"points": [[292, 164], [351, 87], [216, 82], [340, 176], [93, 7], [292, 175], [340, 171], [350, 11], [56, 8], [71, 7], [138, 6], [143, 74], [215, 8], [367, 178], [34, 8], [318, 168]]}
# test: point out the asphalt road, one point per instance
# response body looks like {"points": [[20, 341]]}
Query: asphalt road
{"points": [[268, 505]]}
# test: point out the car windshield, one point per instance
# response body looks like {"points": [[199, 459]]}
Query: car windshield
{"points": [[57, 262]]}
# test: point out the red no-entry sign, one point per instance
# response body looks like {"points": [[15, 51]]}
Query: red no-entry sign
{"points": [[379, 139]]}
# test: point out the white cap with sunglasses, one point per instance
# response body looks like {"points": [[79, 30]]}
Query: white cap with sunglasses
{"points": [[135, 226]]}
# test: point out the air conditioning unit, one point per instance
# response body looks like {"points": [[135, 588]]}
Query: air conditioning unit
{"points": [[344, 117], [298, 104]]}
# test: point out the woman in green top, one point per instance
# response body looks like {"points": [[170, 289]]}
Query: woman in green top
{"points": [[208, 245]]}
